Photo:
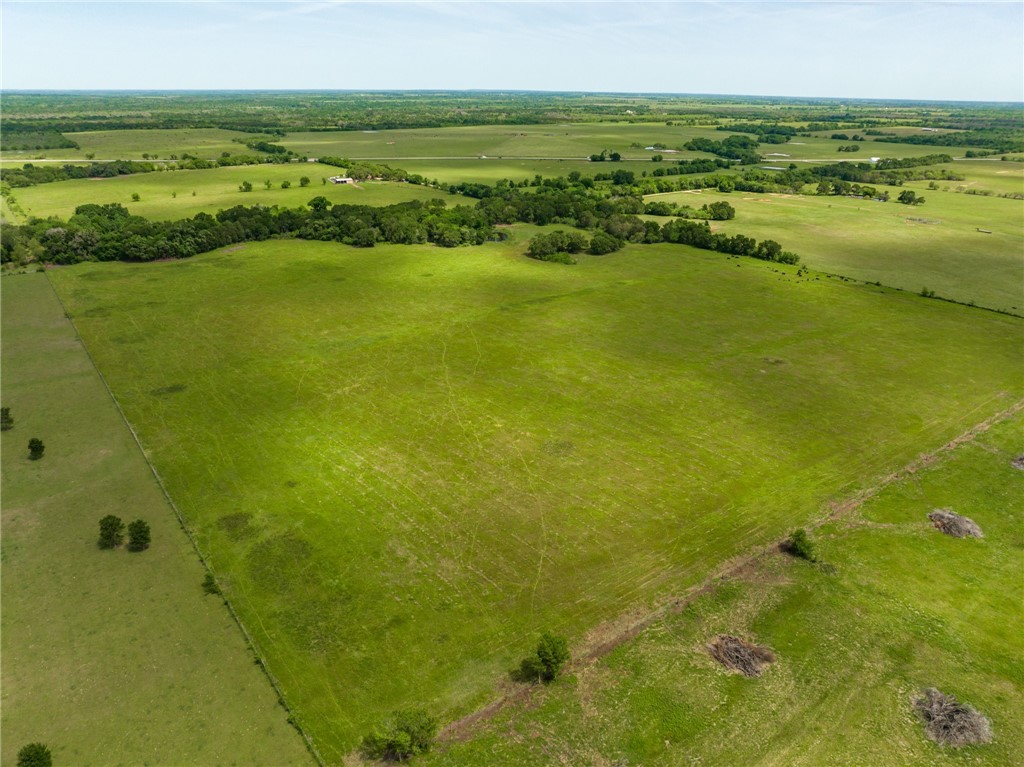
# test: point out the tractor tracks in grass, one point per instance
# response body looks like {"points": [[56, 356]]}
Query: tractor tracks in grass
{"points": [[604, 639]]}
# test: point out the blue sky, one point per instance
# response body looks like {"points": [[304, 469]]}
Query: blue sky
{"points": [[919, 50]]}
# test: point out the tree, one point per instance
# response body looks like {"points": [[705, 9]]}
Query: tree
{"points": [[799, 545], [267, 184], [111, 532], [136, 197], [138, 535], [35, 755], [319, 204], [545, 664], [35, 448], [907, 197], [304, 181], [408, 734], [6, 421], [245, 186], [285, 184]]}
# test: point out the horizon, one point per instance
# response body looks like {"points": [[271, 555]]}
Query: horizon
{"points": [[500, 91], [812, 50]]}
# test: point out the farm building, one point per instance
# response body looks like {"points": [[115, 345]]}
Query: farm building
{"points": [[341, 180]]}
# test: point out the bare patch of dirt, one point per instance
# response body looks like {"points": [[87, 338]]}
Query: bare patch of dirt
{"points": [[950, 723], [954, 524], [740, 655], [235, 249], [1018, 462]]}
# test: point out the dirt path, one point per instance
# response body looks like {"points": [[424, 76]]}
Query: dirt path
{"points": [[605, 639]]}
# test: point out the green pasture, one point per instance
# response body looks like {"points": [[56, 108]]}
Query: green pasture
{"points": [[207, 143], [168, 194], [894, 607], [936, 245], [981, 174], [569, 141], [109, 657], [404, 462]]}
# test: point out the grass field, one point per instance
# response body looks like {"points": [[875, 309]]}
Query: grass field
{"points": [[567, 141], [168, 194], [896, 607], [941, 250], [404, 462], [207, 143], [109, 657]]}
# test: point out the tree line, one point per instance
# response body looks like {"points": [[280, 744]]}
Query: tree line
{"points": [[110, 232]]}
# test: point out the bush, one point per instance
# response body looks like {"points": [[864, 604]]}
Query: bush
{"points": [[603, 243], [409, 734], [34, 755], [138, 535], [35, 448], [210, 585], [547, 661], [799, 545], [556, 246], [111, 532], [6, 421]]}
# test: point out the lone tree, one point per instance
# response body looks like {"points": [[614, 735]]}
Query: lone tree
{"points": [[304, 181], [35, 755], [35, 448], [138, 535], [6, 421], [245, 186], [409, 734], [799, 545], [285, 184], [546, 663], [111, 532]]}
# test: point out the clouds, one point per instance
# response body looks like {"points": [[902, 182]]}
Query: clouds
{"points": [[923, 50]]}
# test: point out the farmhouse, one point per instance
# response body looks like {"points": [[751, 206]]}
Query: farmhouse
{"points": [[341, 180]]}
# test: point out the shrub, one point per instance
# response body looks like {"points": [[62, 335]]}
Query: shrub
{"points": [[138, 535], [799, 545], [6, 421], [603, 243], [35, 448], [34, 755], [210, 585], [111, 532], [547, 661], [409, 734]]}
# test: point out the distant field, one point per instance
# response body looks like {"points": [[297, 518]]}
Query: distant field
{"points": [[404, 462], [168, 194], [991, 174], [882, 242], [906, 608], [109, 657], [570, 141], [207, 143]]}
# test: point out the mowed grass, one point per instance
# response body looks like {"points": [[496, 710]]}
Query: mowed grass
{"points": [[936, 245], [895, 608], [109, 657], [168, 194], [405, 462]]}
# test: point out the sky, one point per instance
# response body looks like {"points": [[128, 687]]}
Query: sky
{"points": [[972, 51]]}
